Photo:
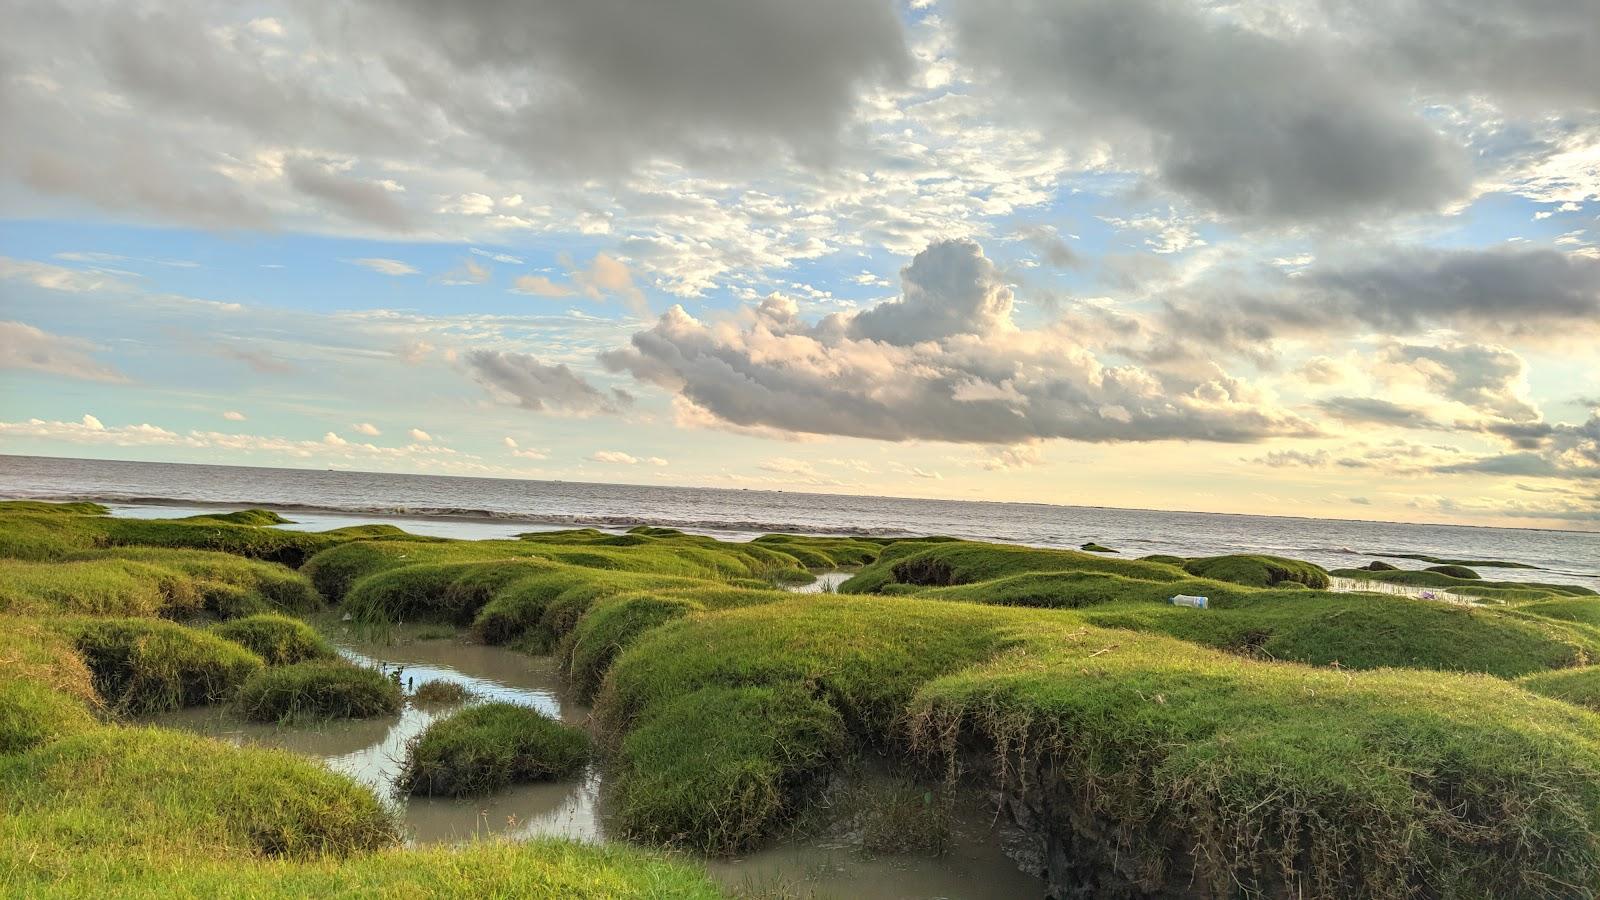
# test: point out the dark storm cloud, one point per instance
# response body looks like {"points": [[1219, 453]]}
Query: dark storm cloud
{"points": [[1255, 126], [536, 386], [943, 362]]}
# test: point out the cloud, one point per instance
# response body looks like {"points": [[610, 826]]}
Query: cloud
{"points": [[626, 459], [329, 449], [1568, 451], [233, 415], [24, 347], [1489, 379], [716, 78], [417, 434], [384, 266], [532, 385], [1529, 295], [604, 277], [1047, 241], [367, 428], [541, 286], [257, 360], [943, 362], [1272, 127], [523, 452], [1374, 411], [949, 289], [469, 272], [362, 201]]}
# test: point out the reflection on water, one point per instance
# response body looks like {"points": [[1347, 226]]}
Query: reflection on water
{"points": [[372, 751], [826, 583]]}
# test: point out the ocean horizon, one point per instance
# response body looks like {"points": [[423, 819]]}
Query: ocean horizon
{"points": [[477, 507]]}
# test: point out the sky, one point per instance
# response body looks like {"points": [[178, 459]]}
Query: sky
{"points": [[1333, 258]]}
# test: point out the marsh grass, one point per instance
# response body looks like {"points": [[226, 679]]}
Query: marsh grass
{"points": [[278, 640], [440, 693], [487, 747], [142, 666], [1258, 570], [1140, 751], [318, 690]]}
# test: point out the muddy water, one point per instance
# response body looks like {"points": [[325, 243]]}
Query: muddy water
{"points": [[976, 867]]}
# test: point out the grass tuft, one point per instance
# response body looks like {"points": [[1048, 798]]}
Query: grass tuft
{"points": [[484, 748], [142, 666], [279, 640], [310, 691]]}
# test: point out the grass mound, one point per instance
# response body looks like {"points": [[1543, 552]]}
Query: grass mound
{"points": [[1364, 631], [947, 563], [1143, 760], [439, 693], [1577, 686], [1152, 764], [152, 582], [485, 748], [46, 691], [1092, 547], [279, 640], [1258, 570], [257, 517], [1453, 571], [143, 666], [154, 793], [318, 690]]}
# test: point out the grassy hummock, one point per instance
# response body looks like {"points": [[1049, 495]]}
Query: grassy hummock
{"points": [[484, 748], [279, 640], [1454, 571], [1258, 570], [440, 692], [318, 690], [1149, 759], [143, 666]]}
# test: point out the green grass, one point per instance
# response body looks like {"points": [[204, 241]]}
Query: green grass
{"points": [[149, 793], [317, 690], [946, 563], [1364, 631], [484, 748], [46, 691], [1140, 750], [150, 582], [1577, 686], [1092, 547], [259, 517], [1454, 571], [1258, 570], [439, 693], [279, 640], [144, 666], [43, 507], [540, 868]]}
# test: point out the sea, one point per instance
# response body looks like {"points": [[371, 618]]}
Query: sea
{"points": [[495, 507]]}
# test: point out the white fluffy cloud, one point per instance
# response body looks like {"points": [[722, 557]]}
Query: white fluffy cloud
{"points": [[617, 457], [945, 361]]}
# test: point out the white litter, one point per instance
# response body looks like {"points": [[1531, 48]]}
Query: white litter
{"points": [[1189, 600]]}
